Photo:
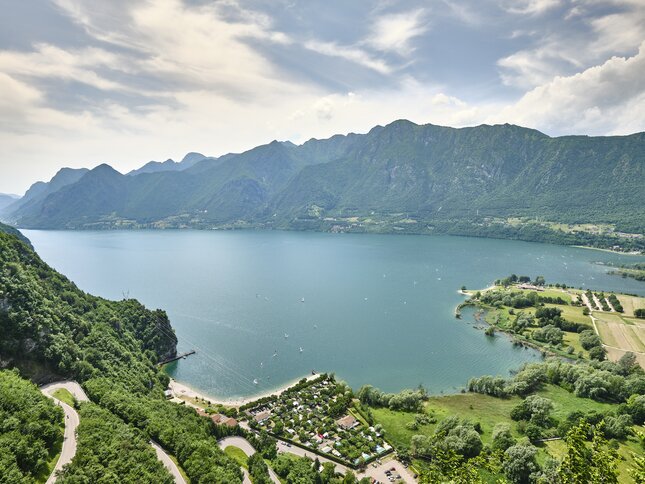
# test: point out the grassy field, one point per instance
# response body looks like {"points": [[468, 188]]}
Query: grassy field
{"points": [[237, 454], [489, 411], [64, 396], [553, 293], [572, 313], [478, 408], [605, 333], [566, 402], [630, 303]]}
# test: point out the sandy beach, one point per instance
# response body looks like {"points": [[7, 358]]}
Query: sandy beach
{"points": [[183, 390]]}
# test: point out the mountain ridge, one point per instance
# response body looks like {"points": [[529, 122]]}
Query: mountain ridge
{"points": [[433, 175]]}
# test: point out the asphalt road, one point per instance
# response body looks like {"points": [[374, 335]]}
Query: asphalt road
{"points": [[168, 463], [71, 422], [248, 449]]}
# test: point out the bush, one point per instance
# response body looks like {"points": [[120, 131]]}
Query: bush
{"points": [[502, 438], [589, 339], [520, 463], [597, 353], [549, 334]]}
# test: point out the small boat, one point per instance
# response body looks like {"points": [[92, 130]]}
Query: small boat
{"points": [[286, 335], [275, 353], [255, 381], [261, 364], [315, 326], [302, 300], [301, 349]]}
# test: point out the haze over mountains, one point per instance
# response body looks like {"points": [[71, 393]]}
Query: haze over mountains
{"points": [[400, 177]]}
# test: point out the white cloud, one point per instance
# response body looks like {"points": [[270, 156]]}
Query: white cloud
{"points": [[394, 32], [606, 98], [585, 41], [530, 7], [210, 87], [352, 54], [48, 61], [196, 47]]}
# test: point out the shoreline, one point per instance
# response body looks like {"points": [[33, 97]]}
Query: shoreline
{"points": [[611, 251], [180, 389]]}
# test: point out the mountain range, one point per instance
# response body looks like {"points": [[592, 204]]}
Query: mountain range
{"points": [[6, 200], [402, 177]]}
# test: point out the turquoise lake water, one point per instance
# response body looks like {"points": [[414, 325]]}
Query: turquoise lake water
{"points": [[375, 309]]}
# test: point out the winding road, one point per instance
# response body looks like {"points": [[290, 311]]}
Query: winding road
{"points": [[247, 448], [168, 463], [72, 421]]}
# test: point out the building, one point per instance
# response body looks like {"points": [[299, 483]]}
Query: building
{"points": [[229, 422], [262, 416], [347, 422]]}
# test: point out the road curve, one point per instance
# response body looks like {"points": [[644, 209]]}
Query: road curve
{"points": [[71, 422], [168, 463], [248, 449]]}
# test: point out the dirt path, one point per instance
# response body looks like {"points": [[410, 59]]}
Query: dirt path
{"points": [[587, 303]]}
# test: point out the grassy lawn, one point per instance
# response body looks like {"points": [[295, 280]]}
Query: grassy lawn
{"points": [[573, 339], [64, 396], [566, 402], [572, 313], [555, 293], [237, 454]]}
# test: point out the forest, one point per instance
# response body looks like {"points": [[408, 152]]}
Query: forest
{"points": [[31, 429], [53, 330]]}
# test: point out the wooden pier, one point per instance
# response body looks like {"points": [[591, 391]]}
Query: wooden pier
{"points": [[178, 357]]}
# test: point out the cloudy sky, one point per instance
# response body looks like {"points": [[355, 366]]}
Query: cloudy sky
{"points": [[127, 81]]}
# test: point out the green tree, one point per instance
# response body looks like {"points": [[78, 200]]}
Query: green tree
{"points": [[502, 438], [595, 463], [520, 463]]}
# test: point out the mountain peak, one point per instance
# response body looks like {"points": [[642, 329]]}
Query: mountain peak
{"points": [[104, 167]]}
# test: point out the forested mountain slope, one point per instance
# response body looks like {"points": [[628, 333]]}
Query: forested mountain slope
{"points": [[430, 178], [51, 329]]}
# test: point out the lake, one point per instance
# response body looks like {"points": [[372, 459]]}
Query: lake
{"points": [[272, 306]]}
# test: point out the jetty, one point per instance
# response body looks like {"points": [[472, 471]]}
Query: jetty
{"points": [[175, 358]]}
